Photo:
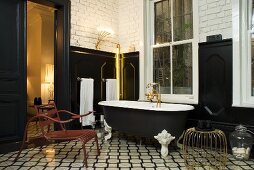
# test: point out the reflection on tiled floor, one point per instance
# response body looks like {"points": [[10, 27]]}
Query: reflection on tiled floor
{"points": [[121, 152]]}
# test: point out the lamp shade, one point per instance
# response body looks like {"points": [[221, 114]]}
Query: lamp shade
{"points": [[49, 74]]}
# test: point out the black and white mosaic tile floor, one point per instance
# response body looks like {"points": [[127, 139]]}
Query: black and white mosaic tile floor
{"points": [[121, 152]]}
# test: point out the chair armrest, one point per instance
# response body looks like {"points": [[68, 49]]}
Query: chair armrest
{"points": [[76, 116], [83, 115], [65, 111], [50, 118]]}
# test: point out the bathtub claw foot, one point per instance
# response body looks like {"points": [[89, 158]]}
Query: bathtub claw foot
{"points": [[107, 129], [164, 138]]}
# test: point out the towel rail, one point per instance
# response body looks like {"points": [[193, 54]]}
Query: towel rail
{"points": [[105, 80], [79, 79]]}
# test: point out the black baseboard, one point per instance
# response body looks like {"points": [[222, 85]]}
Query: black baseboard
{"points": [[15, 146], [9, 147], [224, 126]]}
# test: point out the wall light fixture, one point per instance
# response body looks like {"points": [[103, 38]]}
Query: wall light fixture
{"points": [[102, 34]]}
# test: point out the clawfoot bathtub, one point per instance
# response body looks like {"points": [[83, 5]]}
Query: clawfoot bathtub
{"points": [[144, 118]]}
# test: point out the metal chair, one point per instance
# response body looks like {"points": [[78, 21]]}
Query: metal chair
{"points": [[51, 116]]}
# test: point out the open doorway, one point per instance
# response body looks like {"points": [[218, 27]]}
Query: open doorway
{"points": [[13, 66], [40, 55]]}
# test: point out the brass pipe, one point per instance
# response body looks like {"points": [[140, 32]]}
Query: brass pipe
{"points": [[118, 71]]}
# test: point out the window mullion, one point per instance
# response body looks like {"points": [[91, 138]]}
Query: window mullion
{"points": [[249, 60], [246, 51], [160, 45], [182, 42], [248, 66], [171, 47], [171, 18], [152, 40], [171, 68]]}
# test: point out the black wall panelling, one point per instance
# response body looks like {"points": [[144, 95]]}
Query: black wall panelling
{"points": [[215, 82], [12, 70], [215, 77], [87, 63], [130, 76], [99, 65], [215, 90], [215, 87]]}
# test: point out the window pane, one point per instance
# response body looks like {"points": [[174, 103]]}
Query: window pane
{"points": [[161, 68], [183, 23], [182, 69], [162, 21]]}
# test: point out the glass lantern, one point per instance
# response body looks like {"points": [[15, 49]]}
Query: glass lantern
{"points": [[241, 142]]}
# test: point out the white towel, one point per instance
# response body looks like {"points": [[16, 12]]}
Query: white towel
{"points": [[111, 89], [86, 100]]}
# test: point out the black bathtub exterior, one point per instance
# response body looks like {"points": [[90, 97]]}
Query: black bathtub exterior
{"points": [[145, 123]]}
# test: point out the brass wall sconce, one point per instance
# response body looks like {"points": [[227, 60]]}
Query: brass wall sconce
{"points": [[101, 35]]}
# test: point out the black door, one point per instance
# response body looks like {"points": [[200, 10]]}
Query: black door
{"points": [[12, 70]]}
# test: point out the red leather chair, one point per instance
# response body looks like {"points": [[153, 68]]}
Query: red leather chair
{"points": [[51, 116]]}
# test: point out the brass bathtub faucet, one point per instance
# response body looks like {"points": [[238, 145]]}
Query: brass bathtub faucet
{"points": [[154, 94]]}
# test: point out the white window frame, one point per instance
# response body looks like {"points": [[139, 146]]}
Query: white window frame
{"points": [[175, 98], [242, 53]]}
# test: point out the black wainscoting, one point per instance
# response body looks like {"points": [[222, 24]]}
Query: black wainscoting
{"points": [[100, 65], [130, 76], [215, 90], [88, 63]]}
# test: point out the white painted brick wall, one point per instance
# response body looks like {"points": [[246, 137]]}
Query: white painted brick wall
{"points": [[125, 19], [130, 20], [87, 16], [215, 17], [122, 16]]}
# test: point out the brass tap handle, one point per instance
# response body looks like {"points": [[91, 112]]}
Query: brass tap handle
{"points": [[149, 96], [148, 85]]}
